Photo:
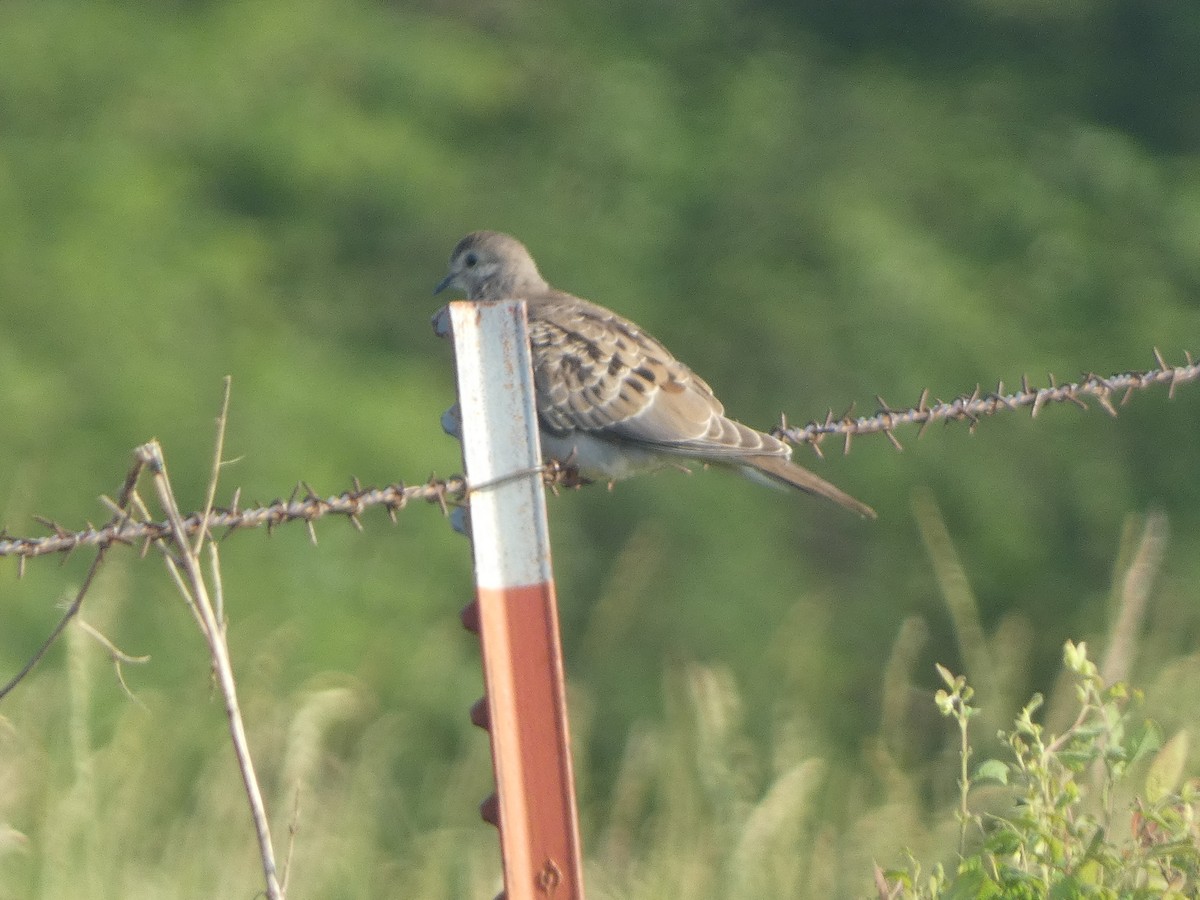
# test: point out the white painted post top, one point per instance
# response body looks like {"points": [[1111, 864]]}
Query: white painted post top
{"points": [[501, 451]]}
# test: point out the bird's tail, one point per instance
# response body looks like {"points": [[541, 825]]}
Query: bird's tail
{"points": [[779, 470]]}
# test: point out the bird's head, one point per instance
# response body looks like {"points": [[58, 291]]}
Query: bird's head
{"points": [[488, 265]]}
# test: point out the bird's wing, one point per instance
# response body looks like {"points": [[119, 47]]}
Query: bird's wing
{"points": [[600, 373]]}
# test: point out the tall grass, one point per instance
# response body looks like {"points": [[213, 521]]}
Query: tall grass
{"points": [[147, 803]]}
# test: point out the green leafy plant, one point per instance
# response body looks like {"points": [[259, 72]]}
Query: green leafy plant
{"points": [[1069, 825]]}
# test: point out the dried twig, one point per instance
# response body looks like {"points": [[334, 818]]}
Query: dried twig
{"points": [[119, 515], [117, 655], [183, 560], [181, 541], [293, 830], [182, 557], [202, 532]]}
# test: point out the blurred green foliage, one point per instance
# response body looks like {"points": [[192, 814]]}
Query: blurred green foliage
{"points": [[811, 203], [1060, 815]]}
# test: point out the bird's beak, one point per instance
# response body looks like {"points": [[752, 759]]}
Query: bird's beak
{"points": [[444, 283]]}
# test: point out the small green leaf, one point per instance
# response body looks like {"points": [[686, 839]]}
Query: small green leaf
{"points": [[1003, 841], [1143, 739], [950, 680], [969, 886], [1068, 888], [992, 770], [1074, 655], [945, 703], [1075, 760], [898, 876]]}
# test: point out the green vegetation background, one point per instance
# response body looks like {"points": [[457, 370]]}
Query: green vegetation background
{"points": [[811, 203]]}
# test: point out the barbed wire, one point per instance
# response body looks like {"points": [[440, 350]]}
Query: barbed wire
{"points": [[979, 403], [306, 506]]}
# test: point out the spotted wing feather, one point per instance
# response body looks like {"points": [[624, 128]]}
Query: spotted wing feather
{"points": [[600, 373]]}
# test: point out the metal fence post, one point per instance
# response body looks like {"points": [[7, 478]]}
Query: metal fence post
{"points": [[515, 614]]}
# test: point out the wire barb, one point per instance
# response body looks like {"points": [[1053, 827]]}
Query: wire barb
{"points": [[304, 505], [972, 408]]}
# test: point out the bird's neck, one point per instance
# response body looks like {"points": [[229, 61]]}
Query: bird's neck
{"points": [[518, 285]]}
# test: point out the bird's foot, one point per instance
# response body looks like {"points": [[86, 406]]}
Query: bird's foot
{"points": [[558, 474]]}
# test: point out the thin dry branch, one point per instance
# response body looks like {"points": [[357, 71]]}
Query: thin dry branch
{"points": [[218, 461], [183, 559], [181, 542], [116, 654], [119, 509]]}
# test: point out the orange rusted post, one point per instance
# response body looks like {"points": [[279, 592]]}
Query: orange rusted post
{"points": [[514, 613]]}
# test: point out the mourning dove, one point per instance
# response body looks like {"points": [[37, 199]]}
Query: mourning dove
{"points": [[612, 401]]}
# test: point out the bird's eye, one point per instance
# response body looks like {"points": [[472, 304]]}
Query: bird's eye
{"points": [[470, 260]]}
